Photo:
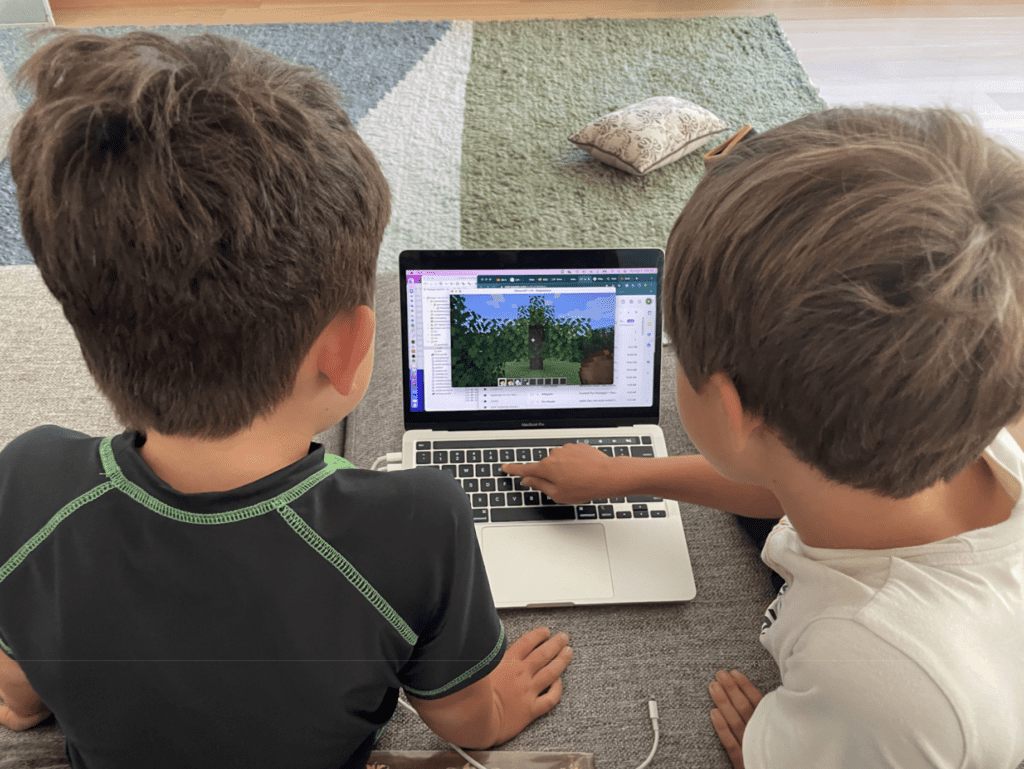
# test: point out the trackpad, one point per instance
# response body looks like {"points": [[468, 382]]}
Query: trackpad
{"points": [[549, 563]]}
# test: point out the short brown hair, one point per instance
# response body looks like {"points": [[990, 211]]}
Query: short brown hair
{"points": [[202, 210], [857, 273]]}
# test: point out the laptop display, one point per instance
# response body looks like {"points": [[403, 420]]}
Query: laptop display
{"points": [[531, 338]]}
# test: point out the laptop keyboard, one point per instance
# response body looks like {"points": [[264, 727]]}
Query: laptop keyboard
{"points": [[498, 497]]}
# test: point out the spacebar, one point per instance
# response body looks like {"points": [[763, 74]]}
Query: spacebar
{"points": [[546, 513]]}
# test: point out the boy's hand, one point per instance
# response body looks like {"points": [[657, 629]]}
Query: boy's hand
{"points": [[525, 685], [17, 723], [570, 474], [20, 706], [527, 681], [736, 699]]}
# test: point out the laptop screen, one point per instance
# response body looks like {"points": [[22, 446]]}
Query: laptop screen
{"points": [[531, 338]]}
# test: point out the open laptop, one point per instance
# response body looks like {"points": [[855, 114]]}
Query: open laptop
{"points": [[508, 354]]}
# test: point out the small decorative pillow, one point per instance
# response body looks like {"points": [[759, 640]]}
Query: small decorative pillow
{"points": [[649, 134]]}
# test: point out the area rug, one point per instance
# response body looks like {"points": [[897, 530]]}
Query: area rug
{"points": [[470, 120]]}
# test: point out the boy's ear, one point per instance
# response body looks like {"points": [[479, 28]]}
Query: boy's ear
{"points": [[739, 423], [348, 340]]}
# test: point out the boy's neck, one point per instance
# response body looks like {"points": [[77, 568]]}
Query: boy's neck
{"points": [[194, 466], [829, 515]]}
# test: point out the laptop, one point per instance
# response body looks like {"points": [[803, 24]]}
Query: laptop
{"points": [[508, 354]]}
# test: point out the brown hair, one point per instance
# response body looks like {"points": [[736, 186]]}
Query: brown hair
{"points": [[858, 275], [201, 210]]}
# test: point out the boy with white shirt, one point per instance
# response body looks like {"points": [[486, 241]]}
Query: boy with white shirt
{"points": [[845, 295]]}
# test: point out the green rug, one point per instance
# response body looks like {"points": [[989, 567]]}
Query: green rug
{"points": [[470, 120], [532, 84]]}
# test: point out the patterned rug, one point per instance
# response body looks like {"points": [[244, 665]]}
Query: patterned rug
{"points": [[470, 120]]}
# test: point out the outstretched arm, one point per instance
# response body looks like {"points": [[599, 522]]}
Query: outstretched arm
{"points": [[577, 473]]}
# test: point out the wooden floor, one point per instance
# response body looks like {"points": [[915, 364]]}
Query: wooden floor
{"points": [[89, 13], [966, 55]]}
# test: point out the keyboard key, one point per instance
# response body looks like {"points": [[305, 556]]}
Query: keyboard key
{"points": [[531, 498], [480, 516], [622, 451], [465, 471], [617, 500], [457, 456], [504, 484], [640, 513], [491, 455], [646, 439], [605, 511], [470, 485], [483, 471], [641, 451], [522, 455], [539, 454], [479, 500], [639, 507], [586, 513], [515, 498], [657, 513], [473, 455], [642, 498], [422, 445], [623, 514], [518, 482], [451, 469], [497, 472], [423, 457], [546, 500], [508, 455], [497, 499], [558, 513], [488, 484], [599, 501], [606, 449], [440, 457]]}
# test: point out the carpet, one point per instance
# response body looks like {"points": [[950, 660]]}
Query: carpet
{"points": [[470, 120]]}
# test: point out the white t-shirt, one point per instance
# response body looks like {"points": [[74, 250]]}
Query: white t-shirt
{"points": [[910, 657]]}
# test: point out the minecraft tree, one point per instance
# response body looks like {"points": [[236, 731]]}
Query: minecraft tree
{"points": [[480, 347]]}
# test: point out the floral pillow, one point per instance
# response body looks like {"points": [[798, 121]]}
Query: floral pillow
{"points": [[649, 134]]}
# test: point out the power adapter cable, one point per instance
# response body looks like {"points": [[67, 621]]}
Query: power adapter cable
{"points": [[394, 461], [652, 708]]}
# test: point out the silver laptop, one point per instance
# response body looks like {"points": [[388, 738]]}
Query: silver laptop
{"points": [[508, 354]]}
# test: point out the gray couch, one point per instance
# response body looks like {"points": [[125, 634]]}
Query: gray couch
{"points": [[624, 656]]}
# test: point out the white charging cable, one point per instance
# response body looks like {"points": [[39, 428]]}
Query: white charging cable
{"points": [[394, 461], [458, 750], [652, 708]]}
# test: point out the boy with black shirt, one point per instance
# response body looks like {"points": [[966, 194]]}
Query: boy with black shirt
{"points": [[210, 589]]}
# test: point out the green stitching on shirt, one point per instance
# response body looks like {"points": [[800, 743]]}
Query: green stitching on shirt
{"points": [[117, 480], [469, 673], [140, 495], [339, 562], [15, 560]]}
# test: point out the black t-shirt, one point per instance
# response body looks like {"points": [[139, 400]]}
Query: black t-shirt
{"points": [[267, 626]]}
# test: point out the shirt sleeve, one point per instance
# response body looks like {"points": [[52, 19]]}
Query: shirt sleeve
{"points": [[465, 640], [848, 700]]}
